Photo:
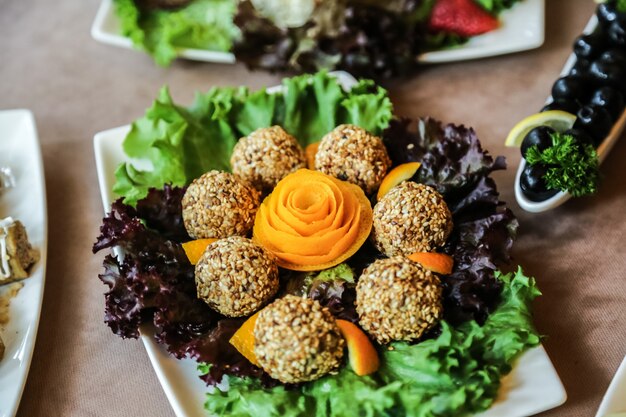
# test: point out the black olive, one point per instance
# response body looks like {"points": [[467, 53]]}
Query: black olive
{"points": [[610, 99], [607, 13], [617, 31], [533, 184], [570, 106], [570, 88], [580, 135], [614, 56], [594, 120], [590, 45], [580, 68], [539, 136], [608, 74]]}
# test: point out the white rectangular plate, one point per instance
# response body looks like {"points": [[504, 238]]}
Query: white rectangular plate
{"points": [[19, 150], [532, 387], [522, 29]]}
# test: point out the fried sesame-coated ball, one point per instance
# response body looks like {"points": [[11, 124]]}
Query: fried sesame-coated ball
{"points": [[398, 299], [351, 154], [235, 276], [266, 156], [297, 340], [218, 205], [411, 218]]}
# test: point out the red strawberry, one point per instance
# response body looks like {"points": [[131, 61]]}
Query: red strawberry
{"points": [[462, 17]]}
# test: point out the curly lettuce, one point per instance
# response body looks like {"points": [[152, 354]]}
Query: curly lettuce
{"points": [[457, 373], [182, 143], [202, 24]]}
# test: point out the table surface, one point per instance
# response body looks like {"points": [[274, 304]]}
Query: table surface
{"points": [[77, 87]]}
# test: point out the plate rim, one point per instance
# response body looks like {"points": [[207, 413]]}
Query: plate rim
{"points": [[32, 330]]}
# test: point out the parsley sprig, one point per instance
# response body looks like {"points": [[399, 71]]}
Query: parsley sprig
{"points": [[572, 166]]}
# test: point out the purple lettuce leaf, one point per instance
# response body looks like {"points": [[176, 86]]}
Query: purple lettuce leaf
{"points": [[454, 163]]}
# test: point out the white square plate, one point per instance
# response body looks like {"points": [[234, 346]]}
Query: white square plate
{"points": [[19, 150], [532, 387], [522, 29]]}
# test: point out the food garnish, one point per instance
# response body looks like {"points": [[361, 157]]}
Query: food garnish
{"points": [[243, 339], [297, 340], [312, 221], [218, 205], [351, 154], [558, 120], [362, 354], [397, 175], [571, 165], [235, 276], [439, 263], [462, 17], [411, 218], [310, 151], [195, 248], [266, 156]]}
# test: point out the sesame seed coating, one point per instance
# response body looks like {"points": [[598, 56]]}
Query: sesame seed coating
{"points": [[235, 276], [266, 156], [218, 205], [351, 154], [398, 299], [411, 218], [297, 340]]}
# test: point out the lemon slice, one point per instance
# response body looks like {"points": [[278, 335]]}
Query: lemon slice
{"points": [[558, 120]]}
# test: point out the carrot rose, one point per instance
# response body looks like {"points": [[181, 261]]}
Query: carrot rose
{"points": [[312, 221]]}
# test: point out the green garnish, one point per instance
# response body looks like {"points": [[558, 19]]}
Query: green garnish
{"points": [[572, 166], [621, 6]]}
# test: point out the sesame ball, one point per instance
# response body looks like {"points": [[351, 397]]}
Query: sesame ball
{"points": [[297, 340], [266, 156], [235, 276], [398, 299], [411, 218], [351, 154], [218, 205]]}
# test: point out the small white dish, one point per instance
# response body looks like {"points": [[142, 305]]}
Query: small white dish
{"points": [[614, 401], [522, 29], [603, 150], [19, 149], [532, 387]]}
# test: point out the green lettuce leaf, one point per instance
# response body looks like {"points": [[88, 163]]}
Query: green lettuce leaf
{"points": [[203, 24], [182, 143], [455, 374]]}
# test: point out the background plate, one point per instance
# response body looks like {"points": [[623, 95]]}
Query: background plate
{"points": [[19, 150], [522, 29]]}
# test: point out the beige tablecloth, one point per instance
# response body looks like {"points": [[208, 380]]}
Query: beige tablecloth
{"points": [[77, 87]]}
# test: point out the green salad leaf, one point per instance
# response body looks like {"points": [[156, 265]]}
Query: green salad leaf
{"points": [[182, 143], [572, 166], [496, 6], [202, 24], [457, 373]]}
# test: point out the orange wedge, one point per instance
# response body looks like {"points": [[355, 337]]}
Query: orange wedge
{"points": [[243, 339], [400, 173], [310, 152], [362, 355], [195, 248], [433, 261]]}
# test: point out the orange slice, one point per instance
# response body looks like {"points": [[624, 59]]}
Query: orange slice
{"points": [[433, 261], [400, 173], [195, 248], [310, 152], [362, 354], [243, 339]]}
